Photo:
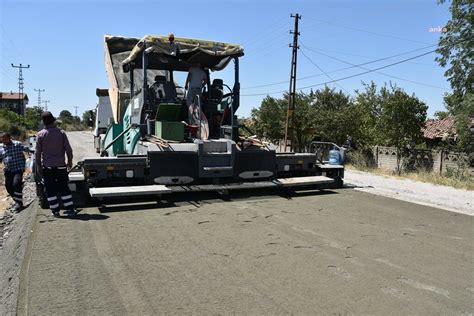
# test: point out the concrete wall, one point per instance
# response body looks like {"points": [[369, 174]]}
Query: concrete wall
{"points": [[429, 160]]}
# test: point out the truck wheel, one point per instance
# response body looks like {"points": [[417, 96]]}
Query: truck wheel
{"points": [[43, 200]]}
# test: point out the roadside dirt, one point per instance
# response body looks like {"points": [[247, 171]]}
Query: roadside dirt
{"points": [[5, 200], [448, 198]]}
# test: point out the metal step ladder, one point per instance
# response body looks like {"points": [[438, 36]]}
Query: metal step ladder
{"points": [[216, 158]]}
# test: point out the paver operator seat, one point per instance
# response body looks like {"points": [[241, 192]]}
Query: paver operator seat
{"points": [[165, 90]]}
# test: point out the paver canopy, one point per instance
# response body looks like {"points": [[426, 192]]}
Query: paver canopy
{"points": [[163, 55]]}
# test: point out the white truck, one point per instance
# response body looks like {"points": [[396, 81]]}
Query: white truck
{"points": [[103, 117]]}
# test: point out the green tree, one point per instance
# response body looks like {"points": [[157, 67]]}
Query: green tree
{"points": [[11, 122], [269, 119], [401, 120], [455, 48], [33, 117], [369, 110], [441, 115], [334, 116], [463, 125], [66, 117], [88, 117]]}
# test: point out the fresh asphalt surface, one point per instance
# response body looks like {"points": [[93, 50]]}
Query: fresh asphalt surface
{"points": [[340, 251]]}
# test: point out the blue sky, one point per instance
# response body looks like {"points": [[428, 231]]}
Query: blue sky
{"points": [[63, 43]]}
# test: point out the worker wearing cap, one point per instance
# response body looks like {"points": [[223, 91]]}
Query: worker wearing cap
{"points": [[52, 145], [14, 160], [173, 46]]}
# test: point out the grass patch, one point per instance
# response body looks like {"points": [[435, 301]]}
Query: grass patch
{"points": [[458, 181]]}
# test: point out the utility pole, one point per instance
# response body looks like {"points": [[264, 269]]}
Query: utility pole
{"points": [[39, 96], [75, 110], [289, 127], [20, 85], [46, 104]]}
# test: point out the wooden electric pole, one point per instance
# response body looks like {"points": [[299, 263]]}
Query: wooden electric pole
{"points": [[289, 127]]}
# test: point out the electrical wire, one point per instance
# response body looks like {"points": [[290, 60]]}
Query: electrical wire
{"points": [[351, 76], [257, 38], [380, 73], [325, 73], [264, 46], [11, 42], [358, 55], [365, 31], [342, 69]]}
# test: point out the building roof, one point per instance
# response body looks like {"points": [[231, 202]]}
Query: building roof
{"points": [[12, 96], [438, 128]]}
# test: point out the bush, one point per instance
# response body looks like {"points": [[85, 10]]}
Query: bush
{"points": [[363, 157], [9, 124]]}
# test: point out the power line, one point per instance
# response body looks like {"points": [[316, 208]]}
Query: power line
{"points": [[358, 55], [7, 72], [348, 77], [366, 31], [381, 73], [345, 68], [272, 27], [264, 46], [10, 40], [325, 73]]}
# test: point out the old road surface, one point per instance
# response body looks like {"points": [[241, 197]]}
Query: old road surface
{"points": [[340, 251]]}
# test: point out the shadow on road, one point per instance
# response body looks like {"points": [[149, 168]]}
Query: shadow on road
{"points": [[87, 217], [199, 198]]}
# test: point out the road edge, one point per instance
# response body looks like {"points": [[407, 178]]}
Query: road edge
{"points": [[13, 257]]}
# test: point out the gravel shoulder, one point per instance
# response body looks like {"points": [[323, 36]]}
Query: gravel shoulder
{"points": [[15, 234], [444, 197]]}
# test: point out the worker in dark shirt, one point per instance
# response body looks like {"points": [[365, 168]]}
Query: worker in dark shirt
{"points": [[13, 158], [52, 145]]}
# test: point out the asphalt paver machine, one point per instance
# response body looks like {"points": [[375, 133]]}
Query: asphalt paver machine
{"points": [[159, 143]]}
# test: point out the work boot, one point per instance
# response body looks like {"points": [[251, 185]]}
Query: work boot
{"points": [[55, 213], [71, 212], [17, 207]]}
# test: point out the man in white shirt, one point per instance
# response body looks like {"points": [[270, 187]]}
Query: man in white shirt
{"points": [[194, 82]]}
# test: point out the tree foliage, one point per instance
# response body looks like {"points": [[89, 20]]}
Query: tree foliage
{"points": [[33, 117], [401, 120], [66, 117], [11, 122], [455, 48], [87, 117], [385, 116], [324, 115], [269, 119]]}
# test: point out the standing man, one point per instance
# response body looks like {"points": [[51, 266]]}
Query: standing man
{"points": [[52, 145], [173, 46], [195, 80], [14, 161]]}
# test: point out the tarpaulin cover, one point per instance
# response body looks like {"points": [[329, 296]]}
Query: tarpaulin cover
{"points": [[163, 55]]}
